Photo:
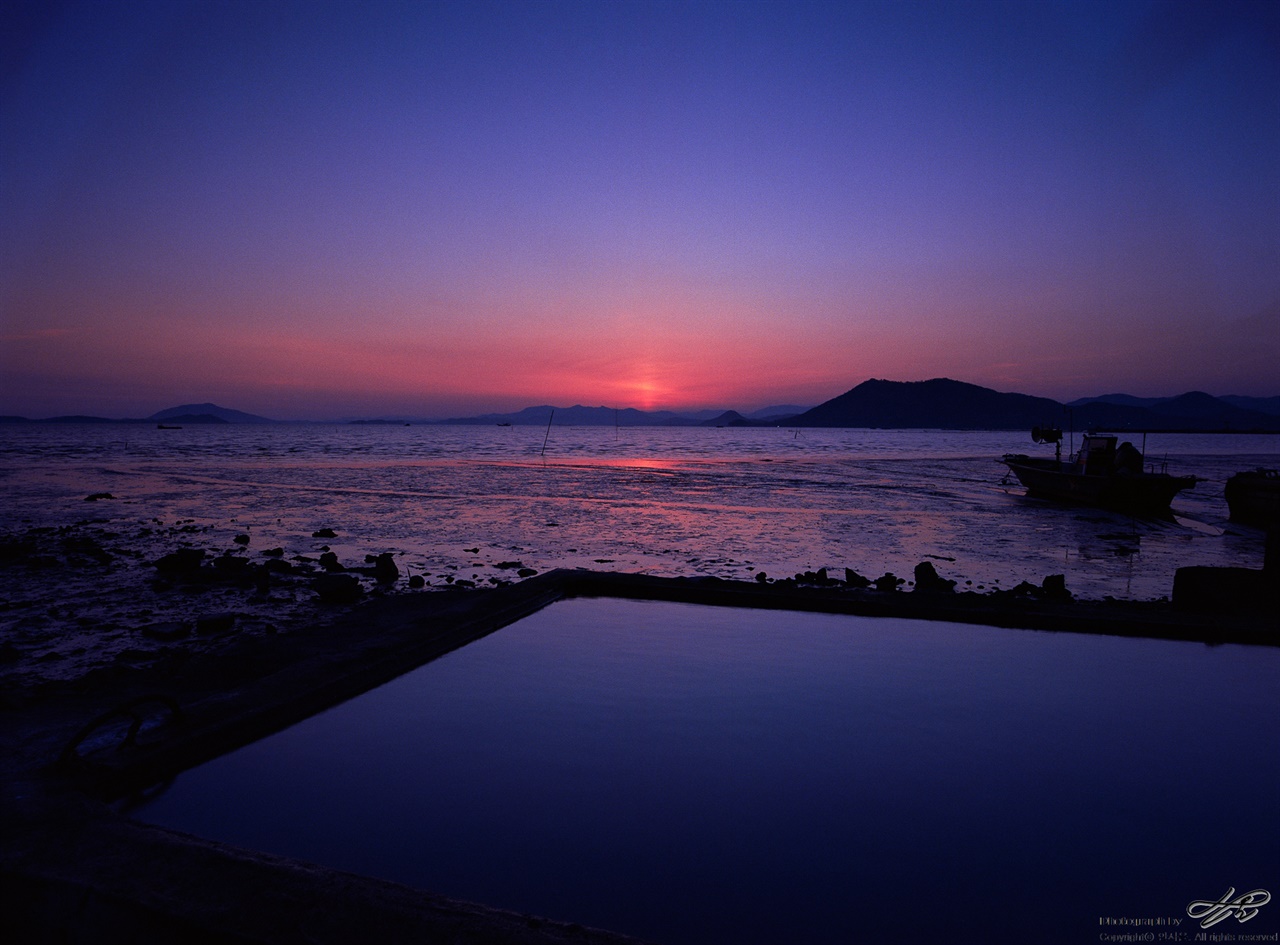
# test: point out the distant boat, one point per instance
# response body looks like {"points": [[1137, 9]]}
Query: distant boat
{"points": [[1253, 497], [504, 424], [1100, 474], [167, 426]]}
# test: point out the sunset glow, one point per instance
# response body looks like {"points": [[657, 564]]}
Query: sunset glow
{"points": [[438, 209]]}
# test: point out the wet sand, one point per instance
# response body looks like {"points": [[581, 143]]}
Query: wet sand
{"points": [[205, 657]]}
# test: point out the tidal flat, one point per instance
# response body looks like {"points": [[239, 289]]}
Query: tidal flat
{"points": [[92, 509]]}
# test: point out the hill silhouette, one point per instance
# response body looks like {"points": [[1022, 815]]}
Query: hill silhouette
{"points": [[205, 413], [941, 403], [946, 404]]}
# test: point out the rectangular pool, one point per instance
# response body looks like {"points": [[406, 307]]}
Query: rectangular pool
{"points": [[694, 774]]}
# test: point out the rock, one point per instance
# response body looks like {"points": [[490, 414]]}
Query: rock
{"points": [[814, 577], [385, 570], [325, 533], [274, 553], [1054, 587], [16, 549], [98, 495], [1024, 589], [417, 581], [761, 577], [1211, 590], [241, 539], [526, 572], [182, 561], [87, 547], [887, 582], [215, 623], [329, 561], [854, 579], [338, 588], [167, 631], [928, 581], [135, 655], [228, 564]]}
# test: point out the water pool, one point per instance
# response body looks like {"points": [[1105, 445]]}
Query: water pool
{"points": [[697, 774]]}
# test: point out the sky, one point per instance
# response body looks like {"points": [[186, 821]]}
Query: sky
{"points": [[313, 210]]}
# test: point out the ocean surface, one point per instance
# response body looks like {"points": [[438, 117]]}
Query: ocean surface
{"points": [[454, 502]]}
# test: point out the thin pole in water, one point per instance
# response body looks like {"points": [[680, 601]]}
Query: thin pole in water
{"points": [[548, 436]]}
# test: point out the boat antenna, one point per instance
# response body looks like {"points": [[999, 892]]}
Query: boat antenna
{"points": [[548, 436]]}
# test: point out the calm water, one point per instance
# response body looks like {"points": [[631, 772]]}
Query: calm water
{"points": [[703, 775], [455, 501]]}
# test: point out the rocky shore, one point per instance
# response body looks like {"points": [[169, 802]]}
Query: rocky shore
{"points": [[127, 658]]}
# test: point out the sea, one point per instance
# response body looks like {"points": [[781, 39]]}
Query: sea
{"points": [[467, 503]]}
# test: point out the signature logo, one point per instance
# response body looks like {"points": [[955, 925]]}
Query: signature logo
{"points": [[1243, 907]]}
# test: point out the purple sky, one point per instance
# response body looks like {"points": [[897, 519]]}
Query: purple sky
{"points": [[313, 210]]}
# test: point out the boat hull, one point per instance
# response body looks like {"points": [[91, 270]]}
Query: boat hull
{"points": [[1142, 493], [1253, 498]]}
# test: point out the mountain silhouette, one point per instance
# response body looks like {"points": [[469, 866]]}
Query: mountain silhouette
{"points": [[941, 403], [206, 413], [945, 404]]}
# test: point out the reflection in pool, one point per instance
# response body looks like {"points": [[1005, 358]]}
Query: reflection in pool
{"points": [[699, 774]]}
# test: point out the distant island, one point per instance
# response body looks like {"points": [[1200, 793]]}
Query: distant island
{"points": [[184, 415], [954, 405], [204, 413], [940, 403]]}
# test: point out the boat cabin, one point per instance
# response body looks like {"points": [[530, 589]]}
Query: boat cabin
{"points": [[1099, 456]]}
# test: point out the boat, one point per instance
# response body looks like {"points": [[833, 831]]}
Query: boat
{"points": [[167, 426], [1101, 474], [1253, 497]]}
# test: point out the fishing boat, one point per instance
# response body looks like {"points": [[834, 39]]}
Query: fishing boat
{"points": [[1101, 474], [1253, 497]]}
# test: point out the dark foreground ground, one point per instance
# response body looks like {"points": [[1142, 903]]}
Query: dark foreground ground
{"points": [[73, 869]]}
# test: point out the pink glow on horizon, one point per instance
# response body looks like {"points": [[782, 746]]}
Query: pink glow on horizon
{"points": [[320, 370]]}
